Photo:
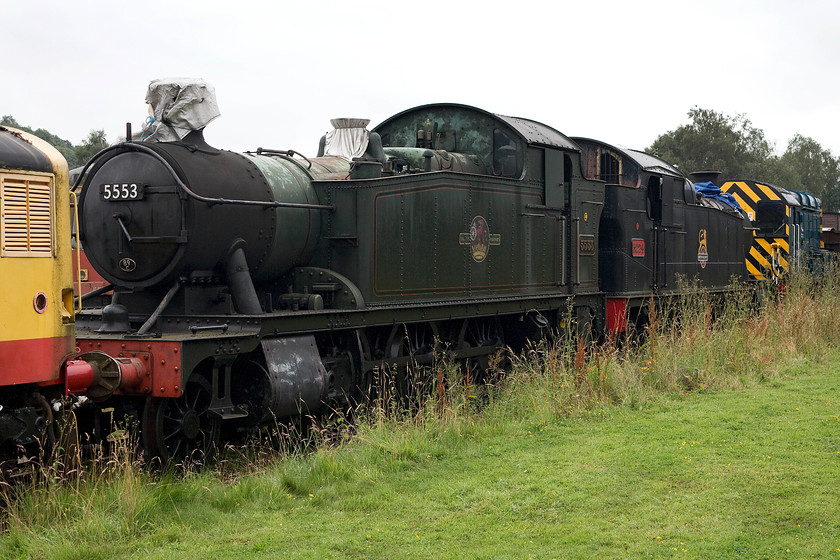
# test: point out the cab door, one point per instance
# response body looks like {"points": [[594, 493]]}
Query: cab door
{"points": [[586, 203], [557, 188]]}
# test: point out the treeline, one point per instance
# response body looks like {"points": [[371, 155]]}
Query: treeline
{"points": [[76, 156], [711, 141], [733, 146]]}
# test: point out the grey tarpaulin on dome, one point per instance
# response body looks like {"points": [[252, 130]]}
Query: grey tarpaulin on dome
{"points": [[178, 106]]}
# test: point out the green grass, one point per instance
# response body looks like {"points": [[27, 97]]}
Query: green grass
{"points": [[750, 473], [717, 440]]}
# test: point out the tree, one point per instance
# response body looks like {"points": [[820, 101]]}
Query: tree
{"points": [[738, 150], [817, 170], [89, 147], [9, 120], [713, 141]]}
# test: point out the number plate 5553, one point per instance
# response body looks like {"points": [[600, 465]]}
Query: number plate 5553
{"points": [[122, 191]]}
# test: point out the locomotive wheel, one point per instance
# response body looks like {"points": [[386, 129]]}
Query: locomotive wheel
{"points": [[182, 428], [482, 333], [410, 341], [411, 347]]}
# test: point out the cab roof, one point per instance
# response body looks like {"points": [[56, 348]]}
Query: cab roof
{"points": [[467, 119]]}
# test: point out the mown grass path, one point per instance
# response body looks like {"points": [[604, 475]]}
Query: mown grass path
{"points": [[753, 473]]}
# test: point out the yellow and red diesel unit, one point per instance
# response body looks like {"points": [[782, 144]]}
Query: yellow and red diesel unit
{"points": [[37, 319], [40, 369]]}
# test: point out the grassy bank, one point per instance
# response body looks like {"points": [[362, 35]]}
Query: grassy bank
{"points": [[714, 440]]}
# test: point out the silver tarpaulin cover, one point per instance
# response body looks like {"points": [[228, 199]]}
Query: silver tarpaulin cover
{"points": [[178, 106]]}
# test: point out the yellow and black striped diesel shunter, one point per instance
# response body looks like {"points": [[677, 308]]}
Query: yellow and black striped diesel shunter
{"points": [[786, 227]]}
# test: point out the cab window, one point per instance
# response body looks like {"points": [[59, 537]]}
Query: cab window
{"points": [[770, 216], [609, 168], [504, 155]]}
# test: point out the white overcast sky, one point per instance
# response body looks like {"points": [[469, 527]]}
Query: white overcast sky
{"points": [[620, 71]]}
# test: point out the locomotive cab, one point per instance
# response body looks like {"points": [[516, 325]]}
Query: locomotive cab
{"points": [[501, 207], [770, 217]]}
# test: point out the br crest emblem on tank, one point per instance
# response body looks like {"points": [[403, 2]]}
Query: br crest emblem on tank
{"points": [[703, 251], [480, 239]]}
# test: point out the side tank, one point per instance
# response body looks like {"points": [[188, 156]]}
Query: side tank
{"points": [[153, 212]]}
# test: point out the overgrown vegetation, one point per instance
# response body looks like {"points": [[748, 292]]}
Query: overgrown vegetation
{"points": [[584, 446]]}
